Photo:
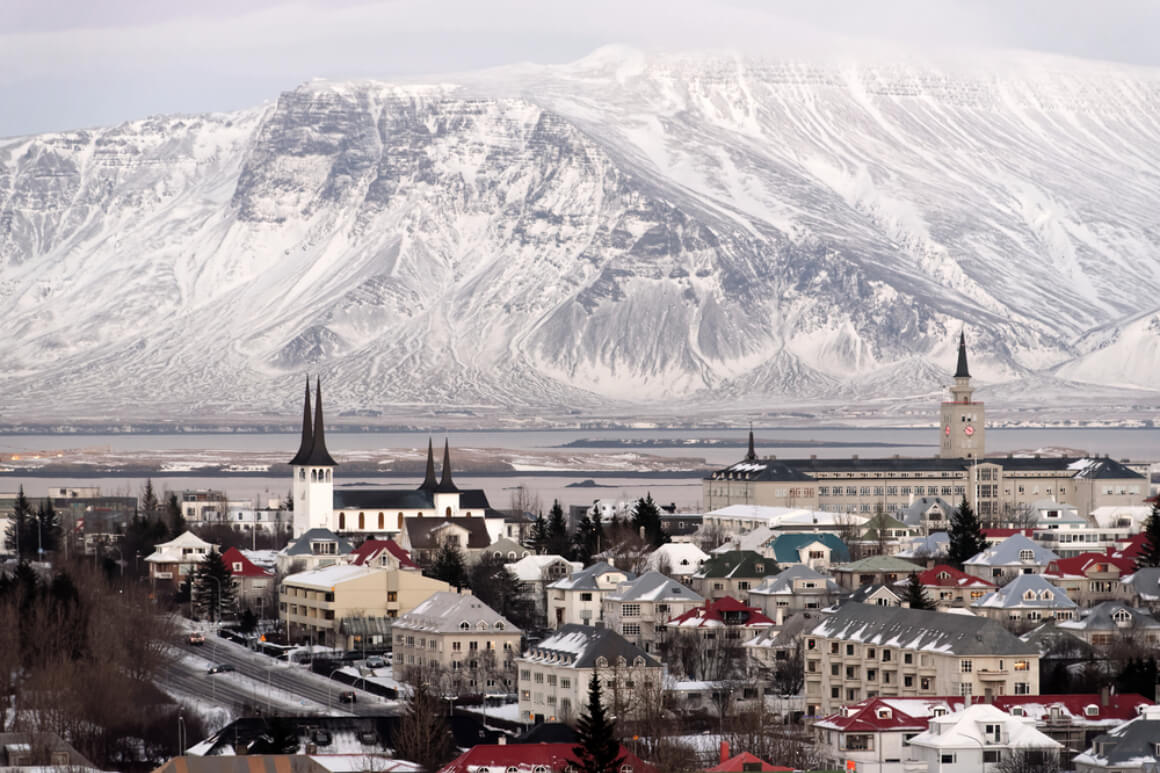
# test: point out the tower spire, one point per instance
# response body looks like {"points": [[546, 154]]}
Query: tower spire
{"points": [[446, 485], [752, 455], [429, 482], [962, 371], [318, 453], [307, 432]]}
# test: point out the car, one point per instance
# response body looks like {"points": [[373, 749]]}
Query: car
{"points": [[197, 638], [220, 668], [376, 662], [347, 696]]}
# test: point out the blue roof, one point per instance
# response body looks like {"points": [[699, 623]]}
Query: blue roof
{"points": [[787, 546]]}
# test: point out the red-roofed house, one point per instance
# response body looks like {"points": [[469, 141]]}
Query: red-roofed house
{"points": [[738, 620], [252, 583], [385, 553], [1091, 578], [950, 587], [997, 535], [743, 762], [1074, 720], [532, 758]]}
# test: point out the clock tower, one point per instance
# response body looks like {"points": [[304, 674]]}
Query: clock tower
{"points": [[962, 429]]}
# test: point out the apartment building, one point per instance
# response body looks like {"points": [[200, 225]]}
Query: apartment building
{"points": [[1130, 748], [554, 675], [457, 641], [536, 573], [732, 573], [863, 651], [579, 597], [875, 570], [1025, 602], [795, 589], [639, 609]]}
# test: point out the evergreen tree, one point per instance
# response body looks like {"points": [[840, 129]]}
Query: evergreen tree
{"points": [[213, 587], [916, 596], [1150, 549], [599, 749], [494, 585], [21, 535], [449, 566], [538, 537], [150, 505], [48, 534], [174, 519], [646, 516], [966, 535], [423, 735], [586, 540], [557, 531]]}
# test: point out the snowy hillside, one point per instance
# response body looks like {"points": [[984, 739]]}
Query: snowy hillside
{"points": [[623, 230]]}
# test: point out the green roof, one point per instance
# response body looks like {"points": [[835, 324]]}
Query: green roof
{"points": [[738, 563], [883, 521], [879, 564]]}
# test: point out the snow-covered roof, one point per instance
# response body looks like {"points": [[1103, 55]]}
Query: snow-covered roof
{"points": [[654, 586], [1128, 746], [922, 630], [1026, 591], [329, 576], [185, 547], [680, 558], [1010, 552], [582, 646], [1112, 616], [783, 517], [782, 584], [587, 579], [1111, 516], [531, 568], [723, 613], [1145, 582], [935, 545], [449, 612], [302, 545], [965, 730]]}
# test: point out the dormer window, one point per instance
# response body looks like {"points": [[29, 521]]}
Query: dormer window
{"points": [[939, 711], [944, 575], [1091, 710], [237, 566], [481, 625], [465, 626], [602, 662], [1029, 595], [499, 625], [883, 713], [1121, 616], [1017, 711], [1026, 555], [1048, 595]]}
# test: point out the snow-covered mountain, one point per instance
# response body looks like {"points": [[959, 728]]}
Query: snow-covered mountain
{"points": [[664, 230]]}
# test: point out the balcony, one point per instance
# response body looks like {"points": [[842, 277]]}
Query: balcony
{"points": [[992, 675]]}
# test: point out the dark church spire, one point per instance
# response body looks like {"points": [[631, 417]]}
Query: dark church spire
{"points": [[961, 371], [318, 453], [307, 433], [429, 482], [446, 486], [752, 455]]}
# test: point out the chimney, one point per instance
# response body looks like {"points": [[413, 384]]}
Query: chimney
{"points": [[1105, 695], [724, 751], [502, 740]]}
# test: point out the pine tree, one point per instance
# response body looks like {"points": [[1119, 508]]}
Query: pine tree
{"points": [[538, 537], [47, 527], [1150, 549], [586, 540], [449, 565], [173, 516], [557, 531], [916, 597], [647, 516], [423, 736], [21, 535], [150, 505], [599, 749], [494, 585], [966, 535], [213, 587]]}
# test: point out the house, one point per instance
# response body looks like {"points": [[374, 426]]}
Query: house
{"points": [[863, 651], [926, 550], [886, 534], [384, 553], [579, 597], [978, 739], [737, 519], [876, 596], [252, 583], [458, 642], [793, 590], [1025, 602], [1129, 517], [532, 758], [1143, 588], [423, 537], [315, 603], [40, 753], [817, 551], [875, 570], [174, 561], [929, 514], [1091, 578], [314, 549], [535, 573], [720, 621], [554, 674], [744, 761], [1114, 621], [732, 573], [677, 559], [506, 549], [950, 587], [1016, 554], [1129, 748], [639, 609], [874, 733]]}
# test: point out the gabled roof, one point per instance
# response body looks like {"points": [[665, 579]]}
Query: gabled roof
{"points": [[301, 546], [447, 612], [725, 612], [787, 547], [403, 499], [867, 592], [879, 564], [1102, 617], [1132, 743], [1101, 469], [1007, 553], [746, 761], [586, 579], [920, 629], [1145, 582], [174, 550], [526, 757], [370, 551], [580, 646], [654, 586], [1051, 642], [248, 568], [876, 715], [946, 576], [1027, 591], [737, 564], [782, 582], [683, 558], [964, 730], [423, 533], [1083, 709], [882, 521], [998, 534], [921, 505], [531, 568], [1079, 566]]}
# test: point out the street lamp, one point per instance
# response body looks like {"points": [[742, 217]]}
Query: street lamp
{"points": [[180, 734]]}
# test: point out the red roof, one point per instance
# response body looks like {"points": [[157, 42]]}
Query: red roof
{"points": [[233, 557], [1133, 547], [875, 715], [527, 756], [737, 764], [370, 550], [1120, 707], [1079, 565], [944, 576], [724, 611], [1002, 534]]}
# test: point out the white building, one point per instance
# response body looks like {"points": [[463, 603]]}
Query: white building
{"points": [[978, 739], [579, 597], [1015, 555], [677, 559]]}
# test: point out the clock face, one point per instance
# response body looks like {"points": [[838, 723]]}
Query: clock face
{"points": [[947, 430], [969, 430]]}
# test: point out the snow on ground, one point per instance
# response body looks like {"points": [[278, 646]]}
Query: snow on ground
{"points": [[509, 712], [261, 691]]}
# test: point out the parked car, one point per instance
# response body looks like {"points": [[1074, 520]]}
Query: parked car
{"points": [[197, 638], [220, 668], [376, 662], [347, 696]]}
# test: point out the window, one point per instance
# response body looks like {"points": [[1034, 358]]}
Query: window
{"points": [[991, 756], [1026, 555], [585, 596], [1022, 688], [947, 759], [908, 681], [631, 629], [965, 666], [908, 658], [965, 689], [857, 742]]}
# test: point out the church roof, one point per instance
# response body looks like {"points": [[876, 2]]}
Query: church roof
{"points": [[312, 450], [307, 431], [962, 371], [404, 499], [446, 485], [429, 483]]}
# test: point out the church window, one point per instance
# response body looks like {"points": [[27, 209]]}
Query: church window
{"points": [[342, 520], [314, 476], [400, 522], [302, 475], [448, 511], [362, 521], [382, 521]]}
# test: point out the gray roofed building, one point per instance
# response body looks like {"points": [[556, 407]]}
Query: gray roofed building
{"points": [[579, 598], [582, 646], [1053, 643], [1130, 747], [447, 612], [589, 579], [1017, 554], [639, 609], [1112, 620], [877, 595], [424, 536], [1144, 585], [1027, 599], [654, 586], [314, 549], [928, 513], [794, 580]]}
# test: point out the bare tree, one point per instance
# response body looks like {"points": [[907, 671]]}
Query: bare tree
{"points": [[1029, 761], [423, 736]]}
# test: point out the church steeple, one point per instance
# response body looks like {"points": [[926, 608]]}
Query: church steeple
{"points": [[962, 371], [319, 456], [307, 433], [752, 455], [446, 485], [429, 482]]}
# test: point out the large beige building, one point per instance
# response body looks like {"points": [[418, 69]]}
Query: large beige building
{"points": [[864, 651], [993, 485], [315, 603], [458, 642]]}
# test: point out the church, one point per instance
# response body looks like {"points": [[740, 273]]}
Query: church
{"points": [[994, 485], [369, 512]]}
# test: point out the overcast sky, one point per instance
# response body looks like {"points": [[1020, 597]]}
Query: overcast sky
{"points": [[74, 63]]}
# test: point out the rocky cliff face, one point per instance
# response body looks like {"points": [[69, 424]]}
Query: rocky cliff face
{"points": [[666, 231]]}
